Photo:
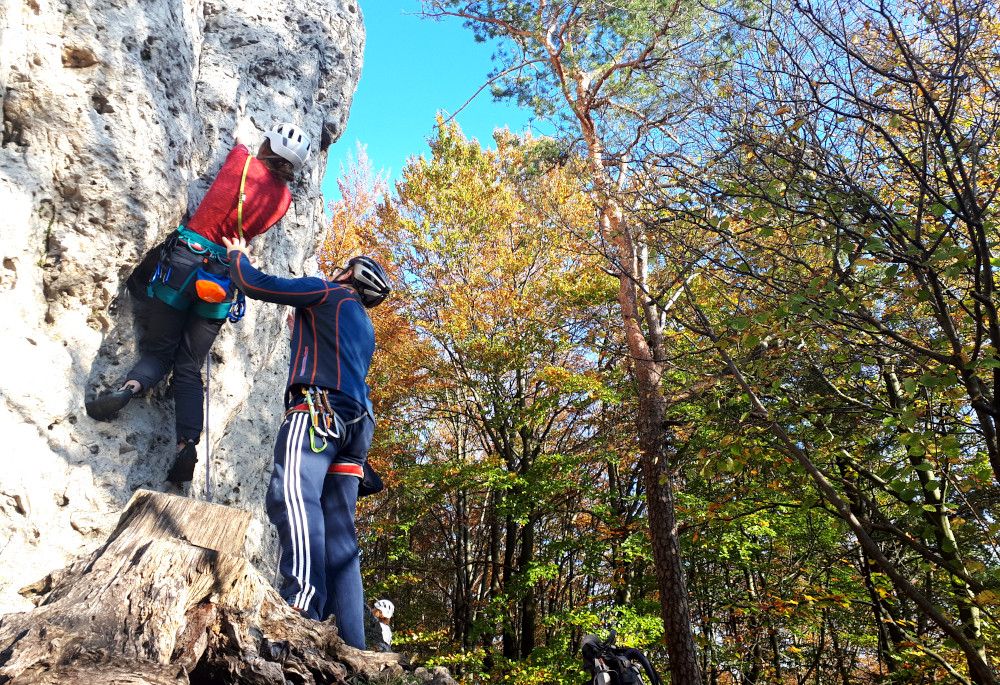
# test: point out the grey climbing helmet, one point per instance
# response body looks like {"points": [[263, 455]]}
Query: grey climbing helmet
{"points": [[369, 279], [290, 142]]}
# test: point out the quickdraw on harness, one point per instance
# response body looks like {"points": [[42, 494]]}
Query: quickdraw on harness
{"points": [[323, 420]]}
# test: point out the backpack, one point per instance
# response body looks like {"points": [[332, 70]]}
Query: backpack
{"points": [[611, 665]]}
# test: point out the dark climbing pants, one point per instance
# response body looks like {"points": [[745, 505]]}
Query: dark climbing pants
{"points": [[178, 340]]}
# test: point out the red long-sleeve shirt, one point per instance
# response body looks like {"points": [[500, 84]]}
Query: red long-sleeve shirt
{"points": [[267, 199]]}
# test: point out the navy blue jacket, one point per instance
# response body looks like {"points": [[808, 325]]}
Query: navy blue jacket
{"points": [[332, 340]]}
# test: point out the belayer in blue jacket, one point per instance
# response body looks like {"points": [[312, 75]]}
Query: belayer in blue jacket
{"points": [[323, 442]]}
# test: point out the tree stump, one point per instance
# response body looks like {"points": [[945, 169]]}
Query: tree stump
{"points": [[171, 599]]}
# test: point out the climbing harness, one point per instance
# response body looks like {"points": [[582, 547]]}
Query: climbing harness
{"points": [[176, 271], [184, 279], [323, 420]]}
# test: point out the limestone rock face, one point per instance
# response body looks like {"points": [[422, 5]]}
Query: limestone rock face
{"points": [[116, 116]]}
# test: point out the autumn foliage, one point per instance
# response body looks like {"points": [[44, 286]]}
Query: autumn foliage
{"points": [[776, 225]]}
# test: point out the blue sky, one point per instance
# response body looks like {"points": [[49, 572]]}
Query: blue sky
{"points": [[413, 68]]}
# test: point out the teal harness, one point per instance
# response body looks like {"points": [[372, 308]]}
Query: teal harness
{"points": [[178, 296], [201, 245]]}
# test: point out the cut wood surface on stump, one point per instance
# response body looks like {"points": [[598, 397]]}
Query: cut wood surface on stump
{"points": [[170, 598]]}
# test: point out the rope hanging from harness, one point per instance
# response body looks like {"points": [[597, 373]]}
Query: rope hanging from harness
{"points": [[208, 437], [239, 306], [242, 197]]}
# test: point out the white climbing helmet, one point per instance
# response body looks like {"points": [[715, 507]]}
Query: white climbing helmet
{"points": [[288, 141], [386, 607]]}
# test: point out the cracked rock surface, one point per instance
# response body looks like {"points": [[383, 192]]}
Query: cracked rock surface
{"points": [[116, 116]]}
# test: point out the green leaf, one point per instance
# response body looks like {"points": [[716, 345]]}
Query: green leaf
{"points": [[740, 323], [874, 245], [930, 381]]}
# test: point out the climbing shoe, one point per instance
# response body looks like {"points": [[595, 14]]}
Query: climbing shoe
{"points": [[106, 406], [182, 471]]}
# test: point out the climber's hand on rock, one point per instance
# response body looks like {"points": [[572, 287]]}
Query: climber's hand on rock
{"points": [[245, 133], [238, 244]]}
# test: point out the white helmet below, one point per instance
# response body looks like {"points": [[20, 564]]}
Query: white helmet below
{"points": [[386, 607], [290, 142]]}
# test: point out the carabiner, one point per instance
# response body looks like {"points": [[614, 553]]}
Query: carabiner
{"points": [[312, 407], [312, 441]]}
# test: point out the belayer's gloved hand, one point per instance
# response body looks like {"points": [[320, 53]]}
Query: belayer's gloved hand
{"points": [[183, 469]]}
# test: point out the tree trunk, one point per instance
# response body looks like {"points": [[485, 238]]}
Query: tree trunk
{"points": [[462, 615], [655, 438], [509, 636], [170, 598], [528, 609], [663, 530], [940, 522]]}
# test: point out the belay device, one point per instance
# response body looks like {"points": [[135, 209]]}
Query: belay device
{"points": [[611, 665]]}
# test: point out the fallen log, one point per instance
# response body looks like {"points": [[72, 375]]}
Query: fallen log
{"points": [[170, 599]]}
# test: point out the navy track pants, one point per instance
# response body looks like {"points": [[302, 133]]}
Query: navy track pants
{"points": [[314, 512]]}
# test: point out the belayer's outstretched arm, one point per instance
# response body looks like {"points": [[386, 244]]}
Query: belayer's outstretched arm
{"points": [[298, 292]]}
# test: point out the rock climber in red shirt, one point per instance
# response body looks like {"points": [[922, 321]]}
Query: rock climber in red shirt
{"points": [[188, 288]]}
